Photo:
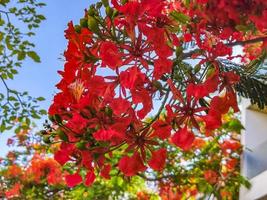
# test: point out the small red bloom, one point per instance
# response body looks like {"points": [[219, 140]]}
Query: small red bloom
{"points": [[231, 163], [230, 145], [211, 176], [186, 111], [77, 123], [14, 191]]}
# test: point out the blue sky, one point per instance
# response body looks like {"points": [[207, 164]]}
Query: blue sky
{"points": [[40, 79]]}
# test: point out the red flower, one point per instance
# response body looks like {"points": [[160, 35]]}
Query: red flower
{"points": [[73, 179], [131, 78], [161, 129], [77, 123], [130, 166], [211, 176], [63, 154], [110, 55], [104, 135], [231, 163], [136, 51], [89, 178], [186, 110], [120, 106], [162, 66], [183, 139], [14, 191], [230, 145], [62, 157], [187, 37], [158, 159], [142, 96], [204, 89]]}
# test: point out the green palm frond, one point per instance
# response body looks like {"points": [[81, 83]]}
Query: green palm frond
{"points": [[253, 79]]}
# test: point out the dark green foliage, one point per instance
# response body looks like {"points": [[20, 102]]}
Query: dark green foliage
{"points": [[253, 80]]}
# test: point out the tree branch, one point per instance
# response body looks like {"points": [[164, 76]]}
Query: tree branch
{"points": [[241, 43]]}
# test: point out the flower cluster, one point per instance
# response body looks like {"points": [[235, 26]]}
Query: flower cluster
{"points": [[40, 170], [131, 64]]}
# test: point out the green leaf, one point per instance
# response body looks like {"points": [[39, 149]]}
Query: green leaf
{"points": [[21, 55], [1, 36], [40, 98], [180, 17], [43, 112], [33, 55], [242, 28], [8, 44], [41, 17], [236, 125]]}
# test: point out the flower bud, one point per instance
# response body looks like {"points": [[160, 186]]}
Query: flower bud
{"points": [[62, 135], [46, 139], [43, 132], [157, 85], [109, 11], [92, 24], [81, 145], [91, 11], [178, 51], [105, 3], [108, 111], [124, 2], [197, 68], [210, 71], [77, 28], [83, 22], [98, 5]]}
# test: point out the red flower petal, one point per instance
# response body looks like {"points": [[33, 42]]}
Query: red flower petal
{"points": [[105, 135], [73, 179], [158, 159], [110, 55], [211, 176], [120, 106], [89, 178], [162, 66], [61, 157], [130, 166], [161, 129], [187, 37], [105, 171], [183, 139]]}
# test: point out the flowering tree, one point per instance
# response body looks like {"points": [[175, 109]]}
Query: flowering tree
{"points": [[29, 172], [146, 89]]}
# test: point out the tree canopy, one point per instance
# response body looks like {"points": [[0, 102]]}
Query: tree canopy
{"points": [[147, 103]]}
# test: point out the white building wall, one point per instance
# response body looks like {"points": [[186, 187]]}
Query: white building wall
{"points": [[254, 162]]}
